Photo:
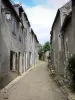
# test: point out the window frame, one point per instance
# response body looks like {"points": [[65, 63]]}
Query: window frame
{"points": [[8, 19]]}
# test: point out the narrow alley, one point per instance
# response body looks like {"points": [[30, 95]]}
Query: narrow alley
{"points": [[36, 85]]}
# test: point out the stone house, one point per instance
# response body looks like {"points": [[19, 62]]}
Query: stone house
{"points": [[57, 48], [34, 46], [68, 40], [11, 42], [27, 32], [68, 35], [54, 40], [15, 34], [46, 55], [30, 38]]}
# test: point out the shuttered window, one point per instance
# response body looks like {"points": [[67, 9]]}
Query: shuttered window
{"points": [[14, 23], [8, 17]]}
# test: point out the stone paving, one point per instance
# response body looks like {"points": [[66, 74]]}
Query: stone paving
{"points": [[36, 85]]}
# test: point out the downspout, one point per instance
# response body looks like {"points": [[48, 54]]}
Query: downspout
{"points": [[0, 38]]}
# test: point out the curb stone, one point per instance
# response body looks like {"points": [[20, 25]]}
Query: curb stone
{"points": [[64, 88]]}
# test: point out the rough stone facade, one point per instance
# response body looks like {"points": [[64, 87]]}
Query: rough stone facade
{"points": [[68, 40], [57, 54], [55, 32], [34, 47], [15, 42]]}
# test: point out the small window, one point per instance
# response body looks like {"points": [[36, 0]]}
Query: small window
{"points": [[25, 33], [8, 17], [53, 35], [59, 41], [22, 30], [32, 37], [20, 39]]}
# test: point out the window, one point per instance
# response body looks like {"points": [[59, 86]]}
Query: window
{"points": [[59, 41], [26, 32], [20, 39], [8, 17], [32, 37], [22, 29], [53, 35], [30, 40], [66, 48], [20, 14], [14, 27]]}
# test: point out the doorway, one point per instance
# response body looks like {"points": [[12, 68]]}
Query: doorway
{"points": [[26, 60], [30, 59], [13, 61]]}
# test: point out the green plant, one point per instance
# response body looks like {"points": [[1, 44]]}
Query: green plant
{"points": [[43, 49], [46, 46], [71, 69], [40, 53]]}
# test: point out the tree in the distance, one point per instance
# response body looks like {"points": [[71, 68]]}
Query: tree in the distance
{"points": [[43, 49], [40, 52], [46, 46]]}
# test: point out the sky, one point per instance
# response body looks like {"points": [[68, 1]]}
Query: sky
{"points": [[41, 14]]}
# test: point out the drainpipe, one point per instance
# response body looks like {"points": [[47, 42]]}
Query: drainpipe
{"points": [[0, 38]]}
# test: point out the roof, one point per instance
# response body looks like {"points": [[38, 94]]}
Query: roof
{"points": [[22, 10], [66, 21], [67, 4], [16, 5], [57, 14], [9, 3], [12, 2], [34, 35]]}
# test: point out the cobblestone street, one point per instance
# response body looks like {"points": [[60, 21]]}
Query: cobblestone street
{"points": [[36, 85]]}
